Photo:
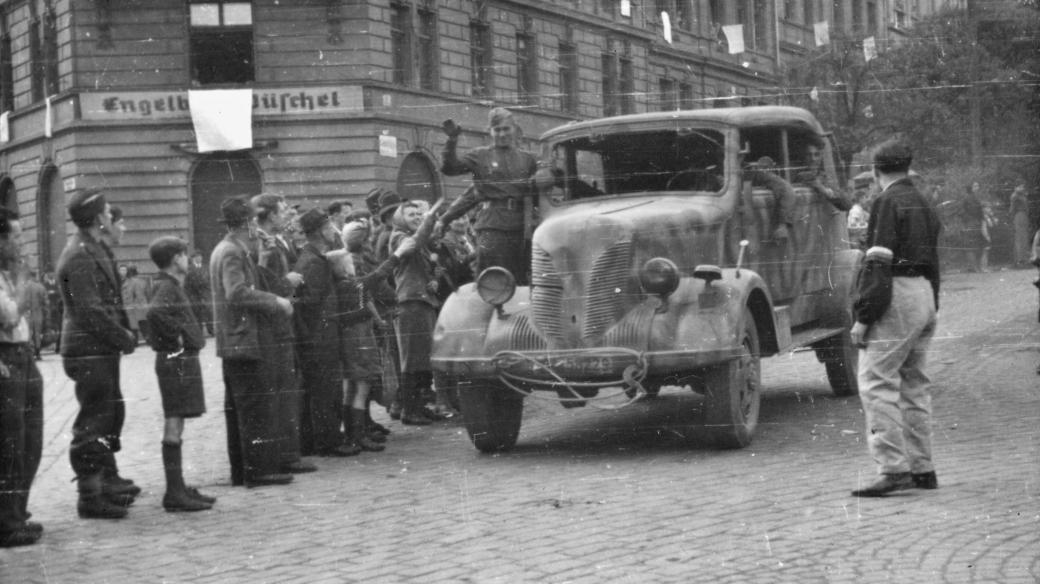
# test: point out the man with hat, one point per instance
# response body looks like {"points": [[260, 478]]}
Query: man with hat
{"points": [[250, 407], [317, 339], [504, 177], [95, 333]]}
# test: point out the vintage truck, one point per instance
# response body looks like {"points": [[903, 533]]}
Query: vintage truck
{"points": [[656, 263]]}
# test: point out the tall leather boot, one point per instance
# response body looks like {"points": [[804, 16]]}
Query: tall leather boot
{"points": [[411, 402], [350, 447], [123, 490], [93, 504], [359, 434], [177, 497]]}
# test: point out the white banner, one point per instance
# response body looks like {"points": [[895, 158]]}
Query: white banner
{"points": [[48, 118], [666, 26], [5, 127], [869, 49], [223, 118], [822, 32], [734, 37]]}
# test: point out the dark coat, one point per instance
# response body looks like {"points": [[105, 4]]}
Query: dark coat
{"points": [[94, 321], [171, 320], [236, 300], [317, 328]]}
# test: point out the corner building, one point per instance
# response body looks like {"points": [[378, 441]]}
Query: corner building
{"points": [[348, 95]]}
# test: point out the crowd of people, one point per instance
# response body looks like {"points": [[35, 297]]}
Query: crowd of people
{"points": [[315, 311]]}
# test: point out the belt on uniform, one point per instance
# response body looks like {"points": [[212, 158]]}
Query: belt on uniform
{"points": [[906, 272], [510, 203]]}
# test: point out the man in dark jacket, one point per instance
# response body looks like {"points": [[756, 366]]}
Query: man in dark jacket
{"points": [[249, 405], [895, 320], [317, 337], [94, 334]]}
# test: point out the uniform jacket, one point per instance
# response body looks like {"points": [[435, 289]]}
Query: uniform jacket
{"points": [[501, 176], [171, 320], [94, 321], [237, 302]]}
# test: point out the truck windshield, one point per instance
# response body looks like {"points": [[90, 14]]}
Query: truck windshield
{"points": [[616, 164]]}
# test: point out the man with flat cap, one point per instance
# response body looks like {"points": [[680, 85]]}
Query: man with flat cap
{"points": [[250, 405], [504, 177], [95, 333], [317, 338]]}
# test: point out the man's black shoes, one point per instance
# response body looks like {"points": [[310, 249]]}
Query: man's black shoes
{"points": [[298, 467], [24, 535], [886, 484], [925, 480]]}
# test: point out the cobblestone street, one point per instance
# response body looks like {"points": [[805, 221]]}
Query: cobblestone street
{"points": [[594, 496]]}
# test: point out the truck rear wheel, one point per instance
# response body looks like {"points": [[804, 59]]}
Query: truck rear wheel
{"points": [[841, 360], [492, 414], [733, 393]]}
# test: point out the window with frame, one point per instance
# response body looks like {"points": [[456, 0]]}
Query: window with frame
{"points": [[857, 17], [627, 81], [839, 14], [608, 68], [481, 57], [526, 69], [568, 71], [429, 54], [401, 42], [871, 17], [902, 18], [6, 67], [760, 14], [221, 42], [666, 94], [809, 10], [687, 100]]}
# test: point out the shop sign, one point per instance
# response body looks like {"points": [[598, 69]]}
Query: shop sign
{"points": [[167, 105]]}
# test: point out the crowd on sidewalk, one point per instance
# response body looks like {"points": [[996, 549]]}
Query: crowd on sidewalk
{"points": [[316, 312]]}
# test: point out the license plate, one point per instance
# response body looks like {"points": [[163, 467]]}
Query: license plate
{"points": [[577, 366]]}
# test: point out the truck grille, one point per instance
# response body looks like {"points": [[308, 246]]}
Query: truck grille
{"points": [[605, 291], [546, 294], [523, 337]]}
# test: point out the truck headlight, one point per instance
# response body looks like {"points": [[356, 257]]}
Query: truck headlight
{"points": [[496, 286], [659, 276]]}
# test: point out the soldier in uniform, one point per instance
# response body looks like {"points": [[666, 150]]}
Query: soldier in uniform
{"points": [[504, 177]]}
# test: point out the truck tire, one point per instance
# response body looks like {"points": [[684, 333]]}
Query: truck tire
{"points": [[733, 393], [841, 360], [492, 414]]}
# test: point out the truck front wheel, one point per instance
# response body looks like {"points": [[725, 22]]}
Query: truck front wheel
{"points": [[841, 360], [492, 414], [733, 393]]}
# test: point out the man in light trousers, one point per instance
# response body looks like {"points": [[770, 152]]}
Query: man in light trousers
{"points": [[895, 321]]}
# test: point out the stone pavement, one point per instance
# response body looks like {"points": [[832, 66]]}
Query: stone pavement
{"points": [[594, 496]]}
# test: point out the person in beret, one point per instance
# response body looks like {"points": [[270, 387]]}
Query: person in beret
{"points": [[95, 333], [317, 339], [239, 304]]}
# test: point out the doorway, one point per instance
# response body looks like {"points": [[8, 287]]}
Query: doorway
{"points": [[417, 178], [213, 179]]}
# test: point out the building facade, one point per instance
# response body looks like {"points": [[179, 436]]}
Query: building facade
{"points": [[348, 95]]}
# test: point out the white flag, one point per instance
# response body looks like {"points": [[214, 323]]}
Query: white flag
{"points": [[626, 8], [869, 49], [822, 32], [734, 37], [814, 94], [223, 118], [5, 127], [48, 121], [666, 24]]}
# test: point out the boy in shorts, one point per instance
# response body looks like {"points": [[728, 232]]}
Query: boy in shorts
{"points": [[176, 336]]}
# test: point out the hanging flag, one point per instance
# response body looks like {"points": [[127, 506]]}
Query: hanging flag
{"points": [[734, 37], [814, 94], [822, 32], [5, 127], [666, 24], [48, 123], [868, 112], [869, 49], [223, 118], [626, 8]]}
